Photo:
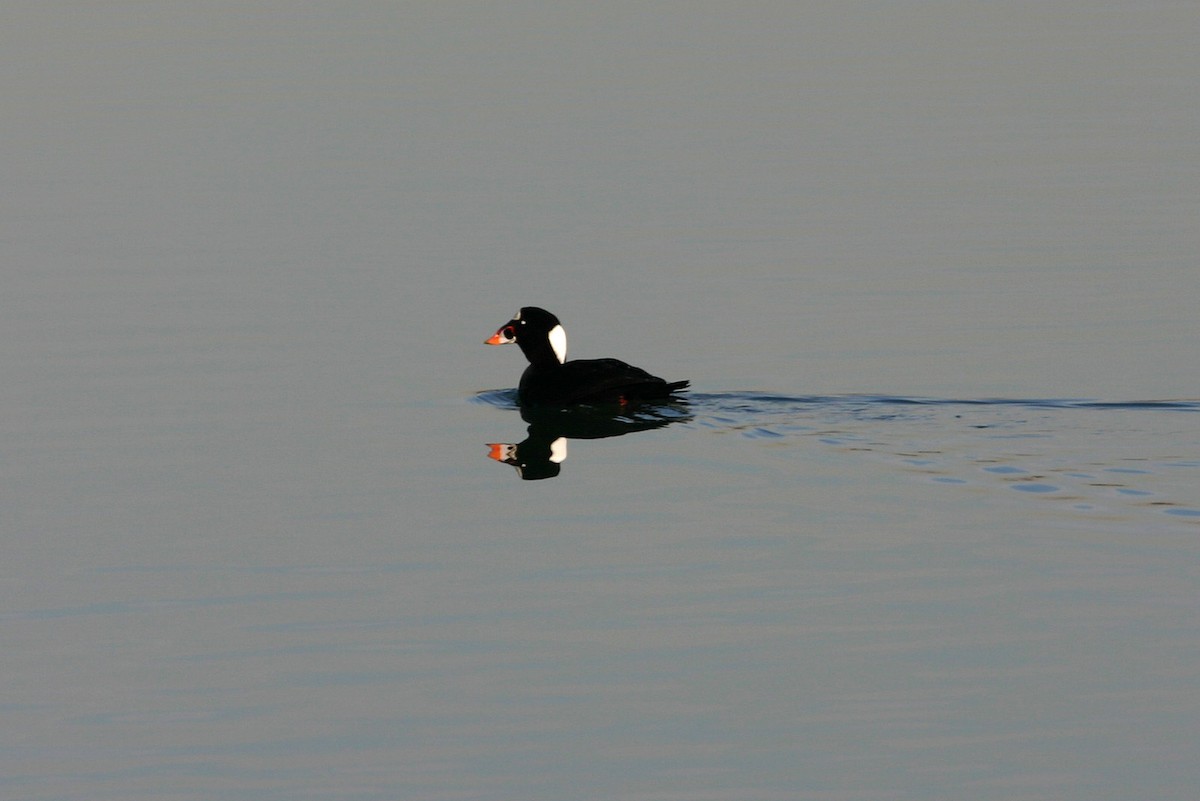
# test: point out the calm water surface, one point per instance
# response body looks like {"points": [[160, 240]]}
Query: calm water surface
{"points": [[928, 526]]}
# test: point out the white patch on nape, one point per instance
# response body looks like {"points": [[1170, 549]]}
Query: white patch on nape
{"points": [[558, 341], [558, 450]]}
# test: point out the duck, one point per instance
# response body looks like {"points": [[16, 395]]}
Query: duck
{"points": [[552, 381]]}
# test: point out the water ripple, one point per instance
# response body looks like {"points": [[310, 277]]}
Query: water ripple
{"points": [[759, 401], [1087, 455]]}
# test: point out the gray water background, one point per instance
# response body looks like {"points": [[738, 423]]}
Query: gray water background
{"points": [[254, 549]]}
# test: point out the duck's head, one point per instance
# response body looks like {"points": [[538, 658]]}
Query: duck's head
{"points": [[537, 332]]}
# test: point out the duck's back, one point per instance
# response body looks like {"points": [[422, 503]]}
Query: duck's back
{"points": [[592, 381]]}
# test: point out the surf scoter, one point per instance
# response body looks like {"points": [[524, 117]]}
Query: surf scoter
{"points": [[551, 380]]}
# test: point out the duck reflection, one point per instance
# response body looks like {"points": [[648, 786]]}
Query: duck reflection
{"points": [[542, 453]]}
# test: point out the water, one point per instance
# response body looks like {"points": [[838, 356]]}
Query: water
{"points": [[926, 527]]}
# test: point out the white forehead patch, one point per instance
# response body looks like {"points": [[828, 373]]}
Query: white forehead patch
{"points": [[558, 341], [517, 316], [558, 450]]}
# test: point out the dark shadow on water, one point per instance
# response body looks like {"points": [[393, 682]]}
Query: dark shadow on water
{"points": [[541, 454]]}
